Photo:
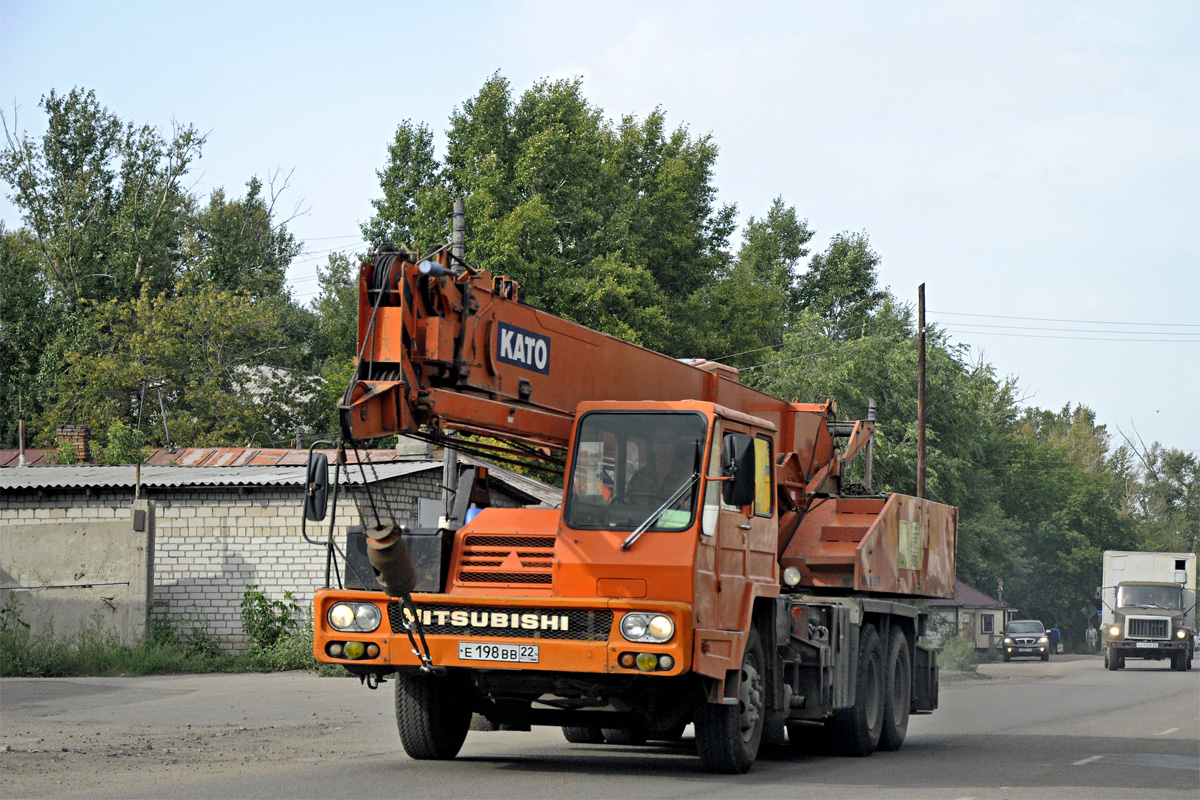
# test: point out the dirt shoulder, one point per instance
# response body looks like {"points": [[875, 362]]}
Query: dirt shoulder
{"points": [[90, 736]]}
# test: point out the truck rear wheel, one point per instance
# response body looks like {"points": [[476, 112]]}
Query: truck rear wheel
{"points": [[897, 692], [581, 735], [727, 736], [432, 715], [856, 730]]}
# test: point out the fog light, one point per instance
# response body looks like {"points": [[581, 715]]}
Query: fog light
{"points": [[647, 661], [334, 649], [355, 649], [372, 650], [665, 662], [627, 660]]}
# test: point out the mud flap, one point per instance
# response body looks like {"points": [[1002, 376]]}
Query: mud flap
{"points": [[925, 680]]}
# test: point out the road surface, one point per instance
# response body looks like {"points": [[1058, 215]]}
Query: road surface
{"points": [[1063, 729]]}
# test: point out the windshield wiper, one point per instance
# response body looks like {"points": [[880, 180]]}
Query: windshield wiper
{"points": [[672, 500]]}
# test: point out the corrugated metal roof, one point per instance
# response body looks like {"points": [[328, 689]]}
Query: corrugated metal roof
{"points": [[95, 477], [969, 596]]}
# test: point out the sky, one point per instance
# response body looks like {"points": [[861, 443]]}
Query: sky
{"points": [[1036, 165]]}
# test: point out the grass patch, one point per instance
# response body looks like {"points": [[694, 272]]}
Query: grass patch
{"points": [[164, 650]]}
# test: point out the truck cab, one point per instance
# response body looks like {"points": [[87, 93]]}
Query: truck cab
{"points": [[1149, 608]]}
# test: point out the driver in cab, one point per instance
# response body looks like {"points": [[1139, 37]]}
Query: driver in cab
{"points": [[670, 462]]}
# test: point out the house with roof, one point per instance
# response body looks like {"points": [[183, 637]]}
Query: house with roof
{"points": [[221, 519], [970, 614]]}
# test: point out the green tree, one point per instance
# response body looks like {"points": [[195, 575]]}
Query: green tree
{"points": [[240, 245], [103, 199], [222, 358], [840, 284], [613, 226]]}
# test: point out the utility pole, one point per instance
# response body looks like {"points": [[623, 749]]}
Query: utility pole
{"points": [[921, 391], [868, 469], [458, 249]]}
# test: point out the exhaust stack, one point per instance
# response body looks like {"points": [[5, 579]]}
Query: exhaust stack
{"points": [[390, 559]]}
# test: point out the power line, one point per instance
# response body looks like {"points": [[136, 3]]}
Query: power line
{"points": [[1080, 321], [1069, 330], [1087, 338]]}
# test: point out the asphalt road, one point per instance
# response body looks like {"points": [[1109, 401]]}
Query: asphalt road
{"points": [[1067, 728]]}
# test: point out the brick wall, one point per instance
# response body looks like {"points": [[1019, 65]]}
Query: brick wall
{"points": [[212, 542]]}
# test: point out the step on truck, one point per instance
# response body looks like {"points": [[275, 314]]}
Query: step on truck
{"points": [[1148, 608], [708, 564]]}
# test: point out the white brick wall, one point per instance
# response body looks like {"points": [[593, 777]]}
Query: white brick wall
{"points": [[211, 542]]}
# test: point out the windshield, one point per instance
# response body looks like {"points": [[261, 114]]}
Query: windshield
{"points": [[1025, 627], [628, 464], [1149, 596]]}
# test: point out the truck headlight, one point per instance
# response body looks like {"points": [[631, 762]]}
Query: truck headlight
{"points": [[1114, 631], [1181, 633], [647, 627], [360, 617]]}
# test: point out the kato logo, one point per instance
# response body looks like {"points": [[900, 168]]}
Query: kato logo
{"points": [[523, 348]]}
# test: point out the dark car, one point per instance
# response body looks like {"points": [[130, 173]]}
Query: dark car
{"points": [[1025, 638]]}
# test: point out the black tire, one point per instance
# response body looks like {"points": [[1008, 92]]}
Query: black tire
{"points": [[432, 715], [1007, 658], [1179, 661], [897, 692], [1113, 661], [623, 736], [582, 735], [856, 730], [1046, 656], [728, 736]]}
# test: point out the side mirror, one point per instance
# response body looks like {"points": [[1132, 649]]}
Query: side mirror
{"points": [[737, 464], [316, 491]]}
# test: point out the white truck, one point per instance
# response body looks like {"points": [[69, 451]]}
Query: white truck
{"points": [[1149, 607]]}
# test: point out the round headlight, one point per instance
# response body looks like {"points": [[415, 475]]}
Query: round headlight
{"points": [[633, 627], [638, 627], [660, 628], [1181, 633], [367, 616], [341, 616], [791, 576], [1115, 630]]}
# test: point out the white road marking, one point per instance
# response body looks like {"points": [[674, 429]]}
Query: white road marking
{"points": [[1087, 760], [1168, 730]]}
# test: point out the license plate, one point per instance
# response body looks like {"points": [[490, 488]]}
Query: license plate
{"points": [[1024, 649], [487, 651], [1146, 644]]}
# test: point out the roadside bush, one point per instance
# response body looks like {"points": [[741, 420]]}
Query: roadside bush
{"points": [[164, 650], [267, 622], [958, 652]]}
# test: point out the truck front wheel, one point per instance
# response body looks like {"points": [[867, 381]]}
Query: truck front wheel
{"points": [[727, 736], [897, 692], [856, 730], [432, 715], [576, 734], [1113, 661]]}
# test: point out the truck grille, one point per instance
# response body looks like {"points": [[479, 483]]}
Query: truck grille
{"points": [[1148, 627], [496, 559], [574, 624]]}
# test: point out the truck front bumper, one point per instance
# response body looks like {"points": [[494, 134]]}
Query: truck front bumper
{"points": [[1133, 648], [527, 633]]}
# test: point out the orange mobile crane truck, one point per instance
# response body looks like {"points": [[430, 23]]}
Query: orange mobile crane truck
{"points": [[707, 565]]}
